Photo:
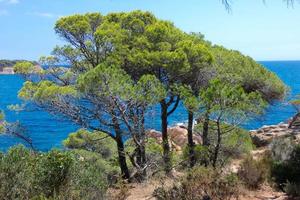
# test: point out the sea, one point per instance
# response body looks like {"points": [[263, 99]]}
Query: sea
{"points": [[47, 131]]}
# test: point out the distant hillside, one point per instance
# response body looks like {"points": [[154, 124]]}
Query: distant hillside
{"points": [[11, 63]]}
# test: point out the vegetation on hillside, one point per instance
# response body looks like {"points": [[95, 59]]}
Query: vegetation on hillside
{"points": [[11, 63]]}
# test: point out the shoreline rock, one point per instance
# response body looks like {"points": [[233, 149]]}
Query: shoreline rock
{"points": [[7, 70], [266, 134]]}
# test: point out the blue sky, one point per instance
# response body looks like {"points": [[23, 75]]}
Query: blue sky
{"points": [[264, 32]]}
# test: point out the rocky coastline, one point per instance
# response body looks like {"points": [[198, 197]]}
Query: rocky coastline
{"points": [[261, 137], [7, 70], [266, 134]]}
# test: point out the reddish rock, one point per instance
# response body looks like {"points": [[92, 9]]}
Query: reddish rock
{"points": [[177, 137]]}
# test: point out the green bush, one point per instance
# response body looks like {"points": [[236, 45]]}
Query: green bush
{"points": [[202, 154], [52, 175], [286, 173], [292, 189], [17, 174], [235, 143], [92, 141], [201, 183], [282, 148], [254, 172], [51, 170]]}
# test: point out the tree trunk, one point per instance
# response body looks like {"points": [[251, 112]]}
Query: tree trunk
{"points": [[205, 140], [141, 150], [294, 119], [217, 149], [191, 144], [122, 157], [141, 161], [121, 148], [165, 140]]}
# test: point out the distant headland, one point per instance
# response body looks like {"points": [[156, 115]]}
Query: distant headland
{"points": [[6, 66]]}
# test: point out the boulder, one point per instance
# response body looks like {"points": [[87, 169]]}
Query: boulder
{"points": [[266, 128], [264, 136], [282, 125], [177, 137]]}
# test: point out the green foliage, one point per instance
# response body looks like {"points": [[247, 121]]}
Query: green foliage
{"points": [[56, 174], [153, 153], [44, 91], [286, 173], [26, 68], [149, 90], [202, 183], [106, 81], [90, 176], [52, 169], [11, 63], [231, 102], [255, 172], [122, 63], [296, 103], [202, 154], [292, 189], [23, 67], [16, 174], [92, 141], [235, 143], [282, 149], [238, 69], [2, 122], [95, 145]]}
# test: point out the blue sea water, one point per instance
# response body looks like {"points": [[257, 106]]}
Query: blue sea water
{"points": [[47, 131]]}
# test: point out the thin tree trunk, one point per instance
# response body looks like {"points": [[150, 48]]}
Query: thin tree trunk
{"points": [[143, 143], [217, 149], [205, 140], [122, 157], [121, 148], [140, 137], [191, 144], [165, 140]]}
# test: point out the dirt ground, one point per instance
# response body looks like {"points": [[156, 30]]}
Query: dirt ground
{"points": [[144, 191]]}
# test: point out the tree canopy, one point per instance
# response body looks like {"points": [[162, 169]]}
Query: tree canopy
{"points": [[122, 64]]}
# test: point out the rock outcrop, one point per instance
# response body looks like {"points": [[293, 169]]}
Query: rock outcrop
{"points": [[177, 137], [264, 136]]}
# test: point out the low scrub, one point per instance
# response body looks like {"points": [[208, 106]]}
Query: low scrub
{"points": [[234, 144], [201, 183], [286, 173], [53, 175], [255, 172]]}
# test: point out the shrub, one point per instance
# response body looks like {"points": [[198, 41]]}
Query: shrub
{"points": [[16, 174], [202, 154], [286, 173], [282, 148], [89, 164], [92, 141], [52, 175], [292, 189], [254, 172], [235, 143], [153, 154], [202, 183], [51, 171]]}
